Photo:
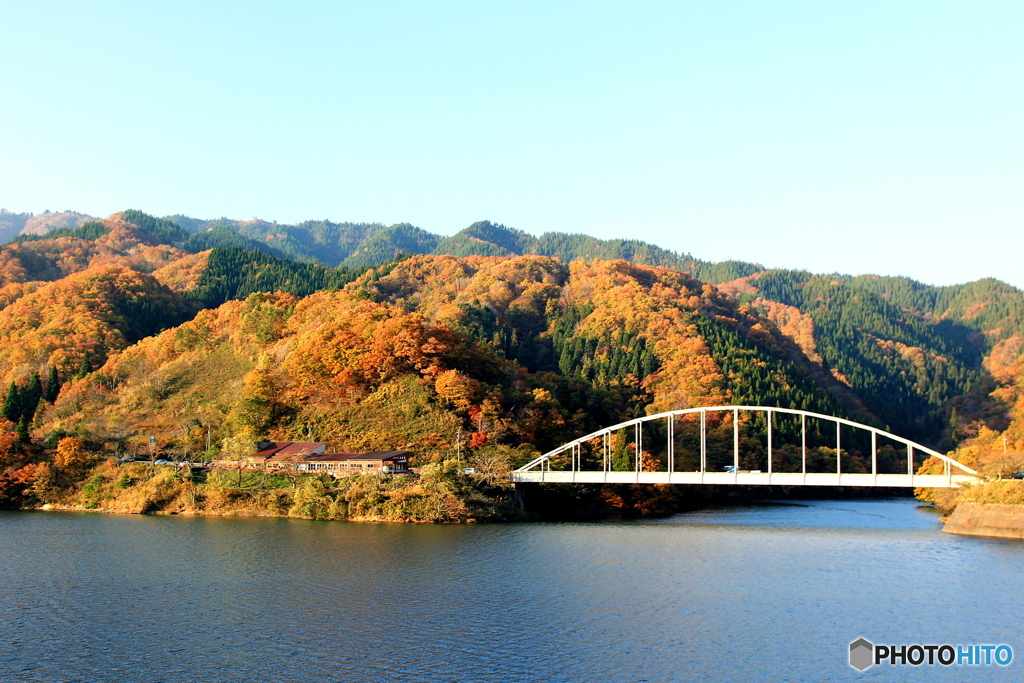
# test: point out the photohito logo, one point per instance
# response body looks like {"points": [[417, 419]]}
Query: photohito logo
{"points": [[864, 654]]}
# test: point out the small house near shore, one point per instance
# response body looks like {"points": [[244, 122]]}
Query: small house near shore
{"points": [[345, 464], [311, 456]]}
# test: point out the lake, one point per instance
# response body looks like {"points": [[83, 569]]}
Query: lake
{"points": [[761, 592]]}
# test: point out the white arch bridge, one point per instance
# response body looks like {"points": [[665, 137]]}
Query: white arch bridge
{"points": [[540, 469]]}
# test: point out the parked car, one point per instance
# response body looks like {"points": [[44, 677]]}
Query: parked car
{"points": [[162, 462], [1017, 475]]}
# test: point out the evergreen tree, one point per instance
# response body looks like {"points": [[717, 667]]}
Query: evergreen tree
{"points": [[52, 385], [22, 430], [234, 273], [86, 367], [12, 404], [31, 396]]}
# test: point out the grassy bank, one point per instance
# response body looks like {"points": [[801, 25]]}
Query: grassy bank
{"points": [[438, 493], [992, 465], [998, 491]]}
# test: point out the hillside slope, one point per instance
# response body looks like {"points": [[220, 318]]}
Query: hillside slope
{"points": [[909, 351], [112, 241], [88, 315], [891, 351], [505, 356]]}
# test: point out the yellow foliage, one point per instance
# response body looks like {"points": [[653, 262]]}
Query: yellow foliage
{"points": [[457, 389], [70, 454]]}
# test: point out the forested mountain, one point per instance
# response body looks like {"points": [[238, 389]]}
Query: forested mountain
{"points": [[515, 347], [77, 294], [487, 239], [321, 242], [386, 244], [231, 273], [906, 349], [360, 245], [519, 353], [128, 239], [80, 320], [988, 306], [639, 338], [14, 224], [370, 244]]}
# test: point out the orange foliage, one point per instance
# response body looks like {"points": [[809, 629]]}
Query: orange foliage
{"points": [[70, 453], [8, 440], [27, 474], [436, 285], [353, 343], [1009, 391], [799, 327], [656, 303], [58, 322], [13, 291], [457, 389], [183, 274], [56, 258], [344, 358]]}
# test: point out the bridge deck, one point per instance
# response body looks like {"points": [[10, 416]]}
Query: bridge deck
{"points": [[744, 478]]}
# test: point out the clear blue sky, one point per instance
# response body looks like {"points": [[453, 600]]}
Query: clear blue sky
{"points": [[857, 137]]}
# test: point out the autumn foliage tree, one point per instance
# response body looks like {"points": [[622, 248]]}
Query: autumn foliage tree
{"points": [[71, 454]]}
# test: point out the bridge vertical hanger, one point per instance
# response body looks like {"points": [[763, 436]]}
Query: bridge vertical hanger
{"points": [[874, 455], [839, 450], [910, 460], [605, 448], [769, 444], [803, 444], [703, 441], [671, 443], [736, 443], [639, 436]]}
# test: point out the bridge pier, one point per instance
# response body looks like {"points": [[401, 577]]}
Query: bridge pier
{"points": [[519, 495]]}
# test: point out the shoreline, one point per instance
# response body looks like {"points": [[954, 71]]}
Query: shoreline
{"points": [[51, 507], [545, 513], [991, 520]]}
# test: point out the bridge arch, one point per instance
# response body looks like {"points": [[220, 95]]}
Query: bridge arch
{"points": [[539, 469]]}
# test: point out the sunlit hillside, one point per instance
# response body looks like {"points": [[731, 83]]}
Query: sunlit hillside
{"points": [[132, 334]]}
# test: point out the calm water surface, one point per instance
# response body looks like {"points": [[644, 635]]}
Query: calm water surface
{"points": [[767, 592]]}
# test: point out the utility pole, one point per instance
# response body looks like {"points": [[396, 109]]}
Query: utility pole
{"points": [[207, 438]]}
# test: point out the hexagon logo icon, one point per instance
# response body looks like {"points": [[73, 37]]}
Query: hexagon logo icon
{"points": [[862, 654]]}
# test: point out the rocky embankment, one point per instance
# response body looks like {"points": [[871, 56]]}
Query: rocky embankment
{"points": [[1001, 520]]}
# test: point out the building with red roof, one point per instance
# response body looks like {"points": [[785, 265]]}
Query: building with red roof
{"points": [[311, 456]]}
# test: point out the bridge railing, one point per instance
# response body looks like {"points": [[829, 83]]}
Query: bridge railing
{"points": [[543, 462]]}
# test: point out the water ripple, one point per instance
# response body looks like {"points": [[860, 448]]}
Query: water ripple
{"points": [[707, 596]]}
